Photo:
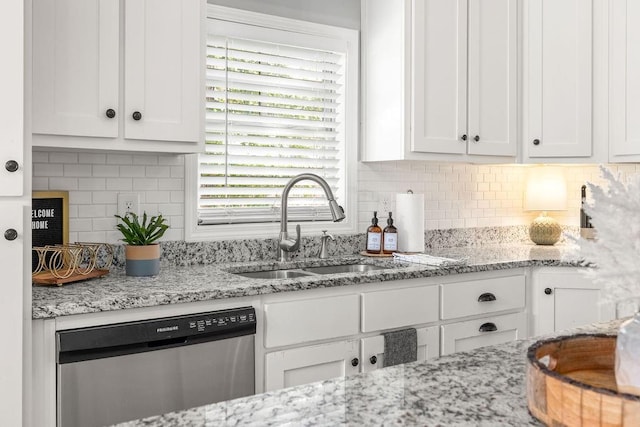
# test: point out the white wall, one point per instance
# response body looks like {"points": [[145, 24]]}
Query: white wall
{"points": [[456, 195]]}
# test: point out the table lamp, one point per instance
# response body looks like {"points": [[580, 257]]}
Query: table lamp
{"points": [[546, 191]]}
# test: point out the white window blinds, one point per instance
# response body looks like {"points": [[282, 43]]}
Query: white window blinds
{"points": [[273, 111]]}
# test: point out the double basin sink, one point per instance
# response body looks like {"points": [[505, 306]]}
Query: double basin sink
{"points": [[310, 271]]}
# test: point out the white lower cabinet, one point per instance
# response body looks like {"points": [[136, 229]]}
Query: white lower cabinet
{"points": [[564, 298], [471, 334], [288, 368], [372, 348]]}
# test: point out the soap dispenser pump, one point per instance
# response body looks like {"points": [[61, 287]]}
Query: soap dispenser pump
{"points": [[390, 237], [374, 236]]}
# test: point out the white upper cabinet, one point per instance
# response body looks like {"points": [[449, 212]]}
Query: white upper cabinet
{"points": [[439, 79], [80, 54], [162, 59], [564, 97], [624, 92], [75, 67]]}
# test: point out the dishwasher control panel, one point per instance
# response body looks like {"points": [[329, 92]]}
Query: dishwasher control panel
{"points": [[153, 333], [223, 320]]}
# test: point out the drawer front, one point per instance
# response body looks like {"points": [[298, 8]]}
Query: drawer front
{"points": [[399, 307], [300, 321], [482, 296], [372, 348], [465, 336]]}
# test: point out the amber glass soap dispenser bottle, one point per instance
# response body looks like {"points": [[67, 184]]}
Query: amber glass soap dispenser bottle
{"points": [[390, 237], [374, 236]]}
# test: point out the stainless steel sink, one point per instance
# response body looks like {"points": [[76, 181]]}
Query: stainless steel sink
{"points": [[274, 274], [348, 268]]}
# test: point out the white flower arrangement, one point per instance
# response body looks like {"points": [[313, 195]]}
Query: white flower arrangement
{"points": [[615, 214]]}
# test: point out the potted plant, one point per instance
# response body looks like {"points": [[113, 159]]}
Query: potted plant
{"points": [[142, 253]]}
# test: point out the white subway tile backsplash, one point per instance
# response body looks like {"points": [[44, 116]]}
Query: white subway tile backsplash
{"points": [[158, 197], [77, 170], [80, 197], [107, 171], [145, 159], [119, 159], [40, 183], [92, 184], [131, 171], [145, 184], [63, 184], [63, 157], [92, 158], [158, 171], [40, 157], [47, 170], [91, 211], [120, 184]]}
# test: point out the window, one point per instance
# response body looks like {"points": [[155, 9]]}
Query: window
{"points": [[281, 100]]}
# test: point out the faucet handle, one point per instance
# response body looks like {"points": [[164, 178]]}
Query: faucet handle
{"points": [[323, 252]]}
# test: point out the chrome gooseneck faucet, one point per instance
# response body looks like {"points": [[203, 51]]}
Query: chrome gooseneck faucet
{"points": [[288, 244]]}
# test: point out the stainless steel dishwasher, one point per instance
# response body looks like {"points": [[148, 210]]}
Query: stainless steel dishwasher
{"points": [[114, 373]]}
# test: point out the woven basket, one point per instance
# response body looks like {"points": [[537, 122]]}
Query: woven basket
{"points": [[571, 382]]}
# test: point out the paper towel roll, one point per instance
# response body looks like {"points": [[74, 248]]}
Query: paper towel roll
{"points": [[409, 219]]}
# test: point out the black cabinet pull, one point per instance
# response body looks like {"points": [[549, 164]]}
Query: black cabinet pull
{"points": [[488, 327], [11, 165], [486, 297], [464, 137], [137, 115], [354, 361], [548, 291], [476, 138], [536, 142], [111, 113], [373, 360], [10, 234]]}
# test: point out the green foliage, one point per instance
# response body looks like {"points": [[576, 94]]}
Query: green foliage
{"points": [[140, 234]]}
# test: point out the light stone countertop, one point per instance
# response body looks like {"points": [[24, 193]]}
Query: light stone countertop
{"points": [[483, 387], [181, 284]]}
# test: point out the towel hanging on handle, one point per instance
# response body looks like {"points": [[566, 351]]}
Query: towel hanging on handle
{"points": [[400, 347]]}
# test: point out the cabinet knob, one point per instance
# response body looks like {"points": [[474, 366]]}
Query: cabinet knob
{"points": [[11, 165], [137, 115], [111, 113], [373, 360], [536, 142], [548, 291], [476, 138], [10, 234], [488, 327], [486, 297], [464, 137], [354, 361]]}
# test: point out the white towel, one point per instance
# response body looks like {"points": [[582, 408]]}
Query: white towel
{"points": [[428, 259]]}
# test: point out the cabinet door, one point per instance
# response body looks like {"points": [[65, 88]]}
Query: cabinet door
{"points": [[439, 118], [624, 126], [565, 298], [465, 336], [492, 102], [163, 70], [372, 348], [75, 67], [305, 365], [558, 78]]}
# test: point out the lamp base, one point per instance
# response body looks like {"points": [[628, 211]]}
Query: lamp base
{"points": [[545, 230]]}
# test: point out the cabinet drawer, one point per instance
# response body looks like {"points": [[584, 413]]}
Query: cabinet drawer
{"points": [[372, 348], [300, 321], [482, 296], [399, 307], [465, 336]]}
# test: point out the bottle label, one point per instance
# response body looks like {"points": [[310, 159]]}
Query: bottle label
{"points": [[390, 241], [373, 241]]}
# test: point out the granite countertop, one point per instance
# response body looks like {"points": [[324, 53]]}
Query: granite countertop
{"points": [[175, 285], [483, 387]]}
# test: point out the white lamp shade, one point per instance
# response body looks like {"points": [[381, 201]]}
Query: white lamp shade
{"points": [[546, 189]]}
